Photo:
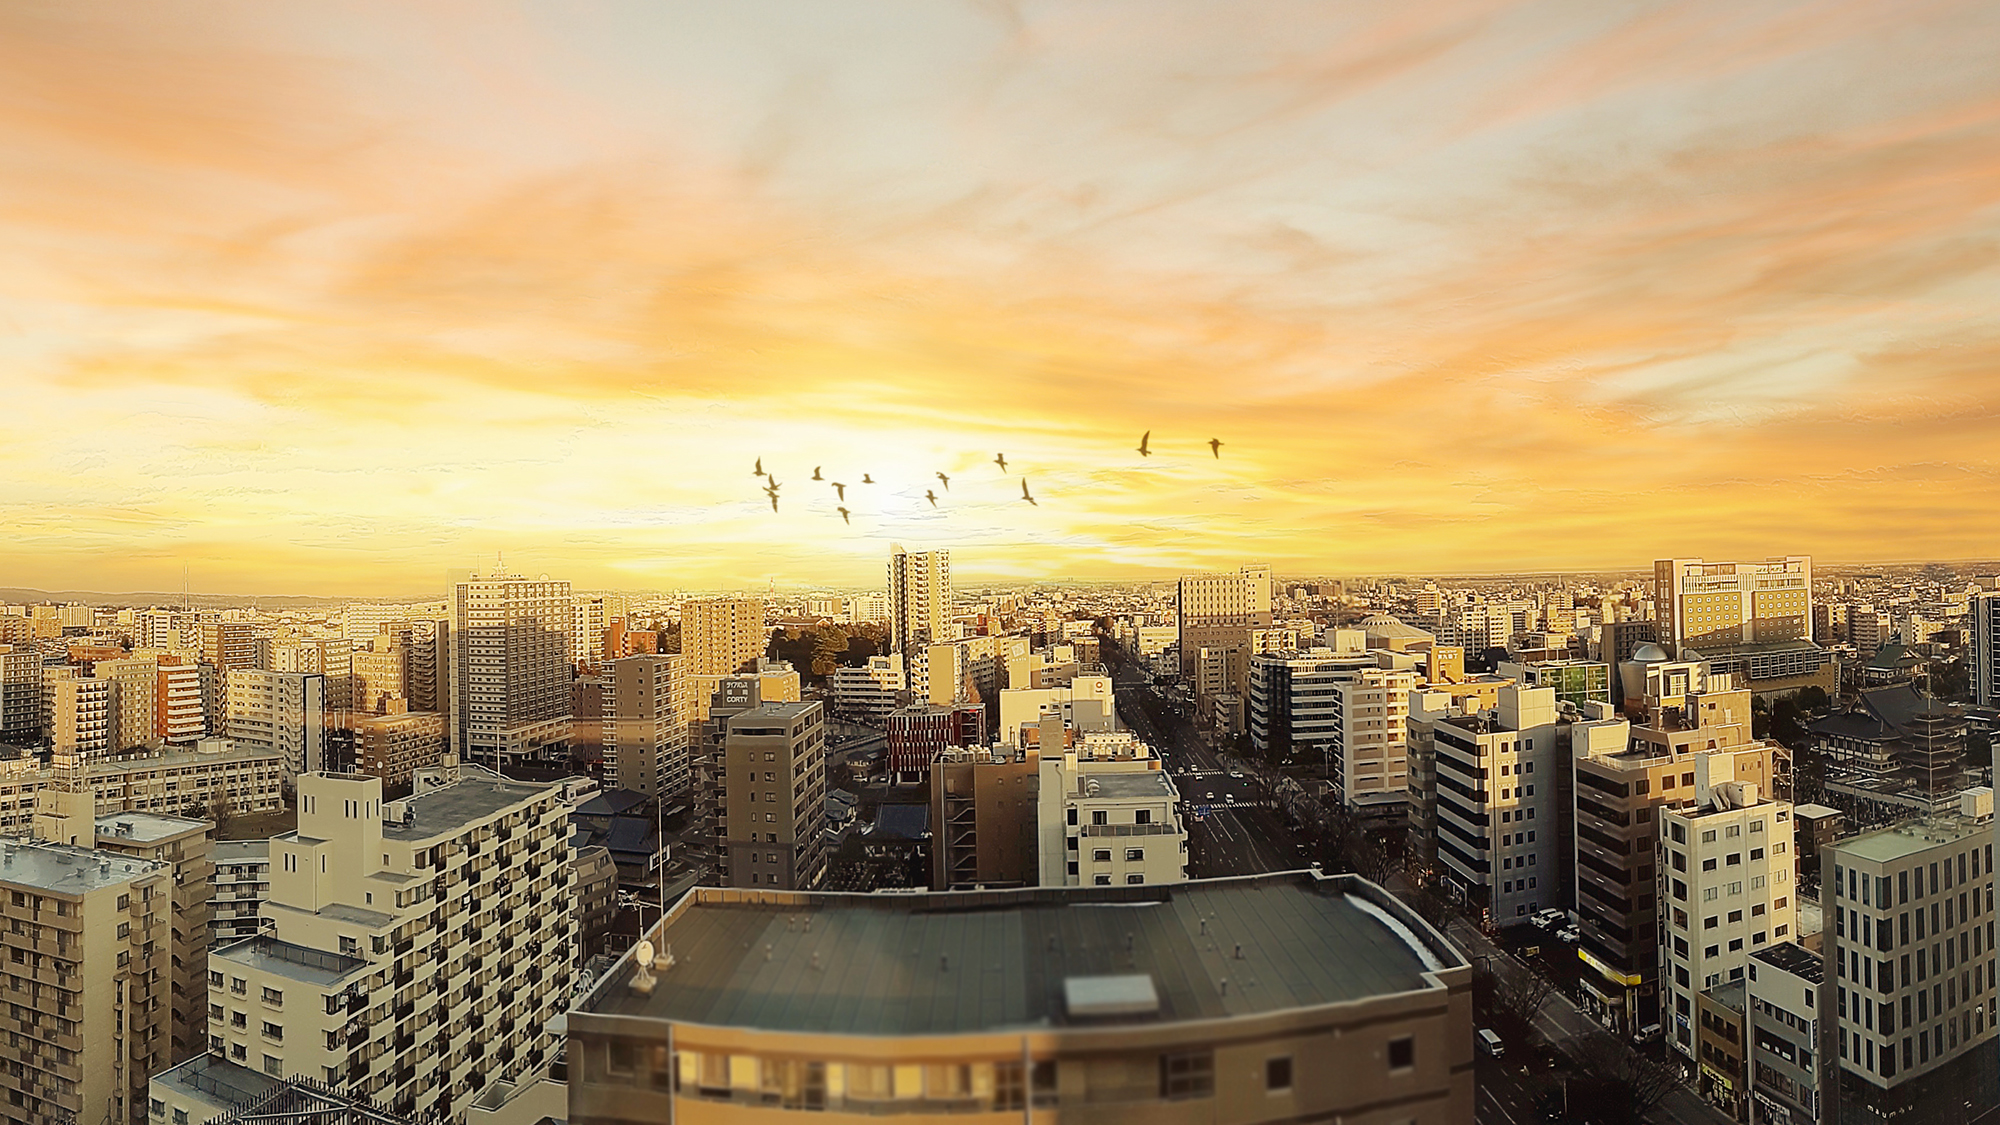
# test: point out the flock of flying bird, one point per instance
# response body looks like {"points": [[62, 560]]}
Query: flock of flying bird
{"points": [[771, 484]]}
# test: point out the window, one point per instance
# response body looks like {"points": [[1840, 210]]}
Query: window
{"points": [[1708, 837], [273, 1031], [274, 1066], [1135, 878], [1101, 880], [274, 998], [1402, 1053], [1143, 816], [1187, 1074], [1101, 855], [1278, 1074], [1135, 855], [180, 1117]]}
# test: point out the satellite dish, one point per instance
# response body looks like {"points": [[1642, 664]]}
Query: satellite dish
{"points": [[643, 953]]}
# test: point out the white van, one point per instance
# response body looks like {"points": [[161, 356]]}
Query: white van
{"points": [[1490, 1043]]}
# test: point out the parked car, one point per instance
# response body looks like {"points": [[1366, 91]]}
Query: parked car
{"points": [[1569, 934], [1550, 917]]}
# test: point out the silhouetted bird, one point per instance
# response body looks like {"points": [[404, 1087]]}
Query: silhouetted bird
{"points": [[946, 480], [866, 479], [759, 470], [840, 489], [816, 475], [774, 501], [1215, 447], [843, 516], [1143, 439], [1024, 493], [773, 486], [930, 496], [1000, 459]]}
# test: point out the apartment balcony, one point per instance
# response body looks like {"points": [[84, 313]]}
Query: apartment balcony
{"points": [[405, 1010]]}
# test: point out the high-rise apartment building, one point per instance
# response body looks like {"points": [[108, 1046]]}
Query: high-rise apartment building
{"points": [[1705, 605], [1985, 645], [985, 805], [415, 950], [1221, 610], [86, 717], [867, 693], [588, 623], [648, 712], [1129, 1004], [1725, 868], [185, 847], [281, 711], [136, 688], [920, 599], [241, 883], [509, 669], [394, 746], [229, 644], [1344, 712], [722, 636], [20, 694], [770, 797], [182, 723], [380, 673], [1909, 926], [1109, 814], [85, 956]]}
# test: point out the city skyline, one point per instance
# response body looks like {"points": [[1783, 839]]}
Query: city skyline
{"points": [[333, 303]]}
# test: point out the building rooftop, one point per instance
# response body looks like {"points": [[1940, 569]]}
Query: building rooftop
{"points": [[1886, 845], [964, 962], [218, 1081], [145, 827], [1794, 959], [766, 711], [1730, 994], [1126, 785], [476, 795], [1814, 811], [67, 870], [294, 962], [240, 851]]}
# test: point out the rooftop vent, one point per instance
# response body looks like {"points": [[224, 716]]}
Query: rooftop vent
{"points": [[1120, 997]]}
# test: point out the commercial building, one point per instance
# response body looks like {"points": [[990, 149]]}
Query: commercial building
{"points": [[1574, 681], [1290, 997], [416, 950], [509, 641], [1910, 932], [920, 600], [1721, 1048], [280, 711], [1497, 802], [1704, 605], [985, 803], [1345, 712], [915, 735], [1725, 885], [1220, 610], [84, 955], [20, 694], [1108, 813], [238, 889], [648, 711], [770, 797], [394, 746], [1789, 1039], [228, 645], [722, 636], [1088, 704], [867, 693]]}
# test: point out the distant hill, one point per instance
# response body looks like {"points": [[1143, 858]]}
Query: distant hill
{"points": [[15, 595]]}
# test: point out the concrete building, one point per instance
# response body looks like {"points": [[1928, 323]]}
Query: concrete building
{"points": [[185, 846], [183, 721], [86, 717], [381, 673], [20, 694], [867, 693], [920, 600], [590, 619], [238, 890], [1706, 605], [84, 953], [1117, 1004], [1789, 1039], [1984, 646], [1575, 681], [596, 880], [1108, 813], [648, 711], [1087, 705], [722, 636], [135, 692], [915, 735], [228, 645], [1722, 1075], [394, 746], [281, 711], [1220, 610], [1725, 885], [509, 641], [417, 950], [1344, 712], [1497, 810], [770, 797], [985, 805], [1910, 937]]}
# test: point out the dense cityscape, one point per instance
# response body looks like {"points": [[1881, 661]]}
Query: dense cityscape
{"points": [[1709, 843]]}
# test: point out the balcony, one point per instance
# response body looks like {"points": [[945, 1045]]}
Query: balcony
{"points": [[405, 1010]]}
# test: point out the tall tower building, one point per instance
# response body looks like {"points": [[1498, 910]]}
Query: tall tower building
{"points": [[229, 644], [177, 703], [722, 636], [919, 599], [510, 671], [281, 711], [86, 718], [135, 698], [589, 620], [20, 693], [648, 706], [1985, 645], [1699, 604], [771, 797], [1221, 610]]}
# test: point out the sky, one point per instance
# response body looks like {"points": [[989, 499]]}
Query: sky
{"points": [[331, 299]]}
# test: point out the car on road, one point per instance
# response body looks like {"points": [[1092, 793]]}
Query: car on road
{"points": [[1236, 773], [1489, 1042], [1209, 796], [1570, 934]]}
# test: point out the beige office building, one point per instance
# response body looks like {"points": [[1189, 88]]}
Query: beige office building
{"points": [[1222, 610], [508, 667], [1717, 605], [770, 797], [1272, 998], [87, 965], [648, 710], [1109, 815], [985, 804], [722, 636]]}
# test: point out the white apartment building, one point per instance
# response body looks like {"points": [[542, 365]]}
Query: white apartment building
{"points": [[281, 711], [86, 717], [1909, 914], [589, 620], [241, 885], [867, 693], [416, 950], [1784, 1036], [1497, 805], [509, 668], [1725, 885], [1347, 712], [1108, 814]]}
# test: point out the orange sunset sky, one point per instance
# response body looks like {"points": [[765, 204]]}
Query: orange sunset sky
{"points": [[328, 298]]}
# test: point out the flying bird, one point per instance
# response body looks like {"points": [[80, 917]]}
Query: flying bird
{"points": [[1024, 493], [759, 470], [946, 481], [843, 516], [1000, 459], [774, 501], [816, 475], [773, 486], [1143, 440], [866, 479], [931, 496], [1215, 447], [839, 489]]}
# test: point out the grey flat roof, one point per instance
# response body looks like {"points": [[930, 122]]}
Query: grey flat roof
{"points": [[241, 851], [1135, 783], [295, 962], [963, 962], [474, 796], [1911, 837], [145, 827], [1794, 959], [218, 1081], [68, 870]]}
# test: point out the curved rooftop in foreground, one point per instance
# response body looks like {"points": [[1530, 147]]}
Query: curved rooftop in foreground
{"points": [[996, 961]]}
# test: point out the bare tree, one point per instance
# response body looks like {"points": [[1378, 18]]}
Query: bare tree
{"points": [[1614, 1085]]}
